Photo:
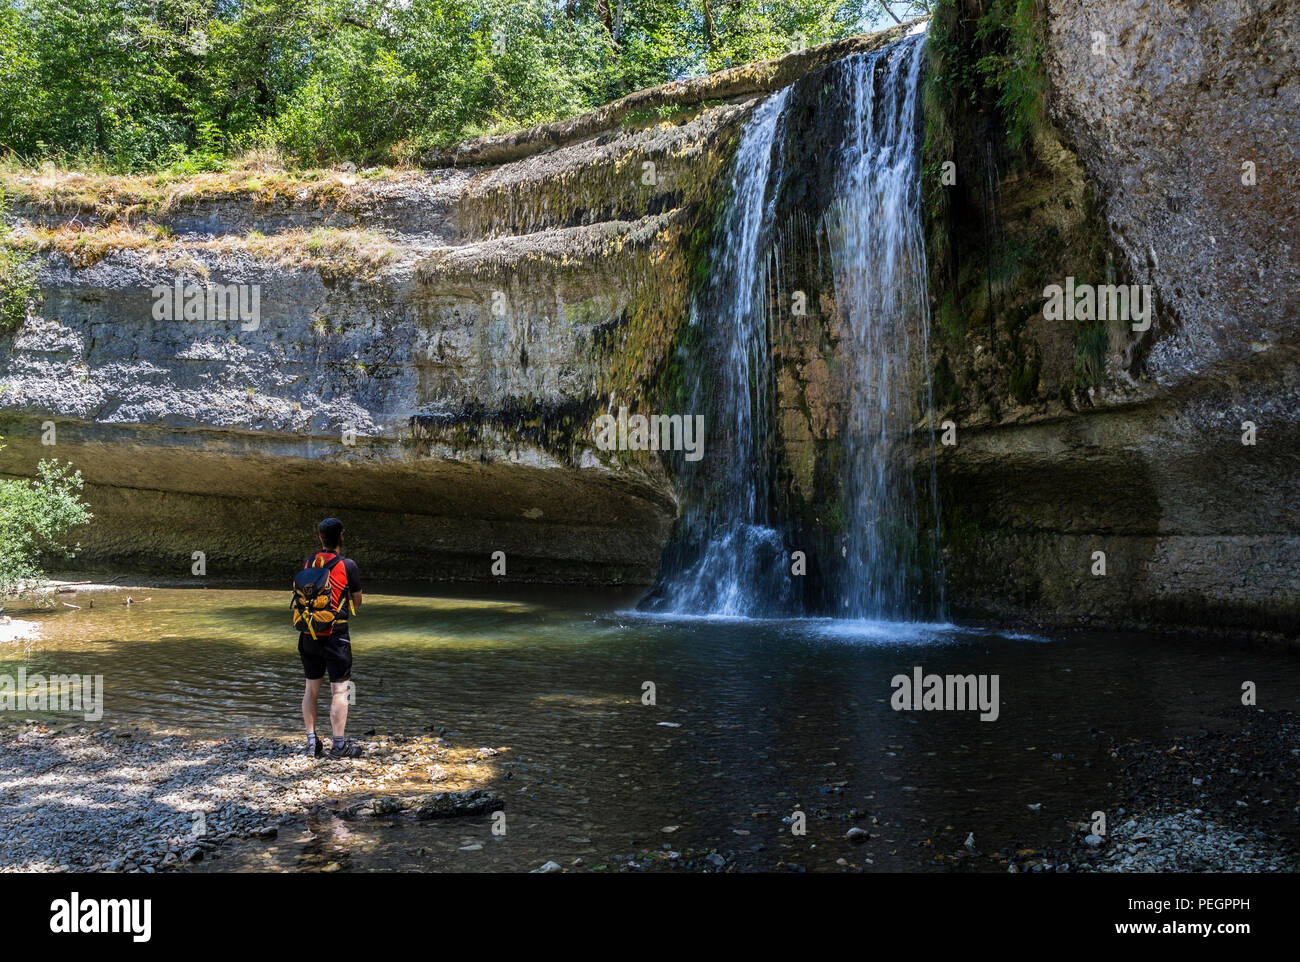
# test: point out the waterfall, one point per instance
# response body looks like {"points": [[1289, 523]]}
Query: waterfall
{"points": [[878, 262], [732, 550], [728, 558]]}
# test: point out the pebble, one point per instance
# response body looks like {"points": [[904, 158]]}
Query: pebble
{"points": [[1183, 842]]}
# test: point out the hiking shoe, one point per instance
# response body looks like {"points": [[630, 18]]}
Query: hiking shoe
{"points": [[314, 748], [349, 749]]}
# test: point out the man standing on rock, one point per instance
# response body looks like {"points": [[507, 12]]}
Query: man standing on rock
{"points": [[326, 643]]}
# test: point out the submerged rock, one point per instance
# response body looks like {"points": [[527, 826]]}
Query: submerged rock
{"points": [[452, 804]]}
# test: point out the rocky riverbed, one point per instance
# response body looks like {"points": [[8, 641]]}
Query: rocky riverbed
{"points": [[1223, 800], [136, 800]]}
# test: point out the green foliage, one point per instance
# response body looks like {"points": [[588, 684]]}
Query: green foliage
{"points": [[1092, 341], [17, 288], [1002, 63], [1022, 382], [208, 155], [17, 280], [1014, 66], [131, 85], [35, 516]]}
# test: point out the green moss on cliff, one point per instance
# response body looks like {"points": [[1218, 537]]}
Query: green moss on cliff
{"points": [[665, 114], [675, 379], [1007, 213], [1011, 31], [660, 348]]}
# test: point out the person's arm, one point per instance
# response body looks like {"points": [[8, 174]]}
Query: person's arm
{"points": [[354, 582]]}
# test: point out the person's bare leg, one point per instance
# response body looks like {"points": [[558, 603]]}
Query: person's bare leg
{"points": [[338, 707], [309, 704]]}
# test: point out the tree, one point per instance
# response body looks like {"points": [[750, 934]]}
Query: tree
{"points": [[132, 85]]}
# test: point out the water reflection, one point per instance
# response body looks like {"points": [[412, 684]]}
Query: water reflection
{"points": [[768, 716]]}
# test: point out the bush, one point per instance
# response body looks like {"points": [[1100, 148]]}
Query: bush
{"points": [[35, 516], [356, 104], [17, 288]]}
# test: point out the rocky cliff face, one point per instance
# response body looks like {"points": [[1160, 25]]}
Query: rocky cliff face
{"points": [[1168, 158], [430, 351], [414, 368], [434, 346]]}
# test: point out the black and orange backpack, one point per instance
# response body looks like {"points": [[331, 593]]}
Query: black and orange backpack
{"points": [[311, 607]]}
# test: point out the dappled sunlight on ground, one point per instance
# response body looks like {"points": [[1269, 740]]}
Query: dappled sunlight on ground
{"points": [[84, 799]]}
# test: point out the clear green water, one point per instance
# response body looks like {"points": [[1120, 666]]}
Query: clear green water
{"points": [[773, 716]]}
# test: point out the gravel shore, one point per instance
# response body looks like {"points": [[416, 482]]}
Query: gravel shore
{"points": [[1191, 841], [1215, 801], [92, 800], [85, 799]]}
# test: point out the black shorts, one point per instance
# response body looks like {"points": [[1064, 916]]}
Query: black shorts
{"points": [[324, 652]]}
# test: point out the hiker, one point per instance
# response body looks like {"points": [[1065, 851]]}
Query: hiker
{"points": [[326, 592]]}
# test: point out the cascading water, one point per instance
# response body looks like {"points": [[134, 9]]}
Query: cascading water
{"points": [[732, 553], [728, 559], [880, 278]]}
